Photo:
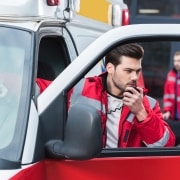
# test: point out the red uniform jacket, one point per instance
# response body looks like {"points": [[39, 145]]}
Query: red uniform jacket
{"points": [[152, 132], [43, 84]]}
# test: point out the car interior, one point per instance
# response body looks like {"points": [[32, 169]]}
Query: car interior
{"points": [[53, 57]]}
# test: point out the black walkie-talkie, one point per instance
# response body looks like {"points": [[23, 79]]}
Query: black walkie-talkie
{"points": [[135, 89]]}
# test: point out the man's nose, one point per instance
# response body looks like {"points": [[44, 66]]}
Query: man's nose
{"points": [[134, 76]]}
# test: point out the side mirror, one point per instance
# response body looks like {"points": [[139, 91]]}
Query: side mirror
{"points": [[83, 135]]}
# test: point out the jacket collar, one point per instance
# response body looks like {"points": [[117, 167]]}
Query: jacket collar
{"points": [[103, 77]]}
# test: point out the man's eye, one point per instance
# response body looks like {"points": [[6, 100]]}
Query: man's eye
{"points": [[128, 71]]}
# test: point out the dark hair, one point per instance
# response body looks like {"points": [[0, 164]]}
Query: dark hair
{"points": [[177, 53], [132, 50]]}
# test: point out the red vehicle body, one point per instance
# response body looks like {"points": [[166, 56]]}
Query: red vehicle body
{"points": [[105, 169]]}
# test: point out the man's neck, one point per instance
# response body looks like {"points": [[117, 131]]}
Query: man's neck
{"points": [[112, 89]]}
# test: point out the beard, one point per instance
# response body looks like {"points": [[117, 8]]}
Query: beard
{"points": [[122, 87], [119, 85]]}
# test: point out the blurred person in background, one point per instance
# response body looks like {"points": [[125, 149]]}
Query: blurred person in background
{"points": [[171, 99]]}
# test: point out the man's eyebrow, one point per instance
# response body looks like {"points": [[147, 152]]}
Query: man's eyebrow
{"points": [[133, 69]]}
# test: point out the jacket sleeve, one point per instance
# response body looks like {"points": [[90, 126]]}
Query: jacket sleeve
{"points": [[154, 131], [168, 101], [43, 84]]}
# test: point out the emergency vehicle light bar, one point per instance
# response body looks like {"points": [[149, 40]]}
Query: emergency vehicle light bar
{"points": [[53, 2]]}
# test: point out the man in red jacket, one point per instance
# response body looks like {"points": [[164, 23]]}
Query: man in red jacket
{"points": [[129, 117], [171, 99]]}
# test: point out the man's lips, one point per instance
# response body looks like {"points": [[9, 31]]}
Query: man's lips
{"points": [[132, 85]]}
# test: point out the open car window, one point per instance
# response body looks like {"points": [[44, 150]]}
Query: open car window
{"points": [[156, 63]]}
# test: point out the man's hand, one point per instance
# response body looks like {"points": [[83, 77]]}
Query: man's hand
{"points": [[166, 115], [133, 98]]}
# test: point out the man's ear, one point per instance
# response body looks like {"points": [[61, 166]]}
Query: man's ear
{"points": [[110, 68]]}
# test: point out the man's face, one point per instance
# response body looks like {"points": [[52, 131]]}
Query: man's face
{"points": [[123, 75], [177, 62]]}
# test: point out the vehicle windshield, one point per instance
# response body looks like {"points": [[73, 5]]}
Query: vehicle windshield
{"points": [[15, 46]]}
